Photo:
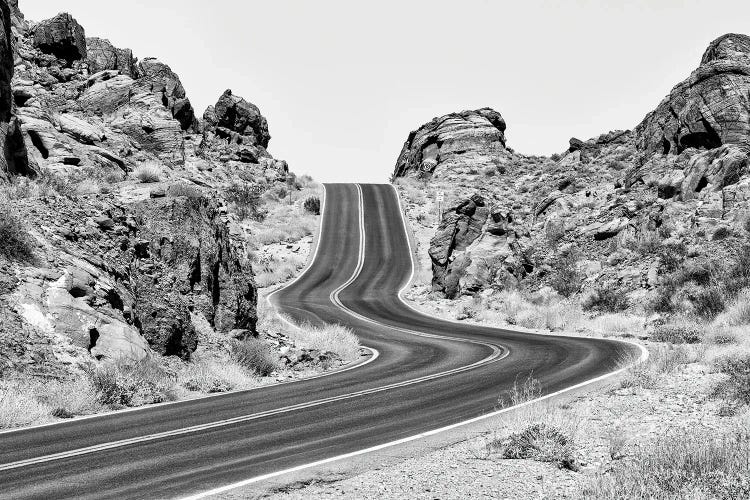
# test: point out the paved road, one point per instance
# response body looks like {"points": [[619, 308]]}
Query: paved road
{"points": [[428, 374]]}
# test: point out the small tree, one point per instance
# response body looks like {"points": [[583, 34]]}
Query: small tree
{"points": [[566, 279], [312, 205]]}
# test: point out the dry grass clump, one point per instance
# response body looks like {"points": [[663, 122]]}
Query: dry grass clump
{"points": [[19, 408], [15, 242], [540, 442], [692, 464], [736, 385], [184, 189], [678, 332], [254, 355], [148, 172], [69, 398], [738, 312], [120, 384], [617, 324], [328, 338], [272, 271], [211, 375], [663, 360]]}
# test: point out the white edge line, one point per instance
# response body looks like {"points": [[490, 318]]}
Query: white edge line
{"points": [[375, 354], [223, 489]]}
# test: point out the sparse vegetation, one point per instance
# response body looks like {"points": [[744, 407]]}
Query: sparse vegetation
{"points": [[148, 172], [245, 200], [254, 355], [542, 443], [184, 189], [312, 205], [328, 338], [120, 384], [677, 333], [15, 242], [606, 300], [684, 464], [736, 386]]}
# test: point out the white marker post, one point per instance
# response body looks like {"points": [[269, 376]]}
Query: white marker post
{"points": [[439, 197]]}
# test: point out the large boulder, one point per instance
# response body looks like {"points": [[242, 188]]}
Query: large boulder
{"points": [[465, 141], [709, 109], [102, 55], [62, 37], [238, 120]]}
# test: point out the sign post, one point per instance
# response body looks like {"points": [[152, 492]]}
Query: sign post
{"points": [[440, 196]]}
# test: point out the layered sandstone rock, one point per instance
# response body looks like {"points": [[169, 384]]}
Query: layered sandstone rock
{"points": [[102, 55]]}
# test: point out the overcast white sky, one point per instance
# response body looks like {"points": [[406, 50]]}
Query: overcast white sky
{"points": [[343, 82]]}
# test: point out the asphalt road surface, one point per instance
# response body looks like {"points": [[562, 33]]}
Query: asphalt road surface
{"points": [[425, 374]]}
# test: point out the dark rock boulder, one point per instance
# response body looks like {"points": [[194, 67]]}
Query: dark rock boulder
{"points": [[460, 227], [62, 37], [159, 78], [184, 264], [13, 159], [102, 55], [239, 120], [709, 109], [469, 140]]}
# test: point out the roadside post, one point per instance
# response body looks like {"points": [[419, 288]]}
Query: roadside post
{"points": [[290, 185], [440, 196]]}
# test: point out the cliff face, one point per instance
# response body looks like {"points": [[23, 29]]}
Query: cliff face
{"points": [[681, 177], [120, 189]]}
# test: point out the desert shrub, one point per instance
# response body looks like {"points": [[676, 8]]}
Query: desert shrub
{"points": [[184, 189], [677, 334], [120, 384], [312, 205], [555, 157], [542, 443], [69, 398], [662, 361], [566, 279], [684, 464], [15, 243], [245, 200], [708, 302], [147, 173], [671, 256], [606, 300], [253, 355], [328, 338], [19, 408], [490, 171], [737, 384], [212, 375], [738, 312], [50, 183]]}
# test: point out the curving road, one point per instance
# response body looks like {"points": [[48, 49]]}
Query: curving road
{"points": [[425, 374]]}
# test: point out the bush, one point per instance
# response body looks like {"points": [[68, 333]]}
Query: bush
{"points": [[685, 464], [542, 443], [676, 334], [606, 300], [312, 205], [253, 355], [566, 278], [15, 243], [328, 338], [147, 173], [17, 408], [184, 189], [245, 200], [120, 384], [737, 385]]}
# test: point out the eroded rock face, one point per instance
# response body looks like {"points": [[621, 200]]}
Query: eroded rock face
{"points": [[62, 37], [460, 227], [465, 140], [102, 55], [710, 108], [159, 78], [185, 264]]}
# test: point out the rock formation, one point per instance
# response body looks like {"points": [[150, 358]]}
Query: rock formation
{"points": [[120, 269], [62, 37], [465, 140], [682, 174]]}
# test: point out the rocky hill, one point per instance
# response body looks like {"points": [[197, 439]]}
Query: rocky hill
{"points": [[126, 215], [613, 216]]}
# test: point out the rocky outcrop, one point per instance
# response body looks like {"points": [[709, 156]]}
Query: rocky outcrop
{"points": [[159, 78], [601, 209], [710, 108], [455, 142], [102, 56], [184, 264], [62, 37], [238, 121], [460, 227]]}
